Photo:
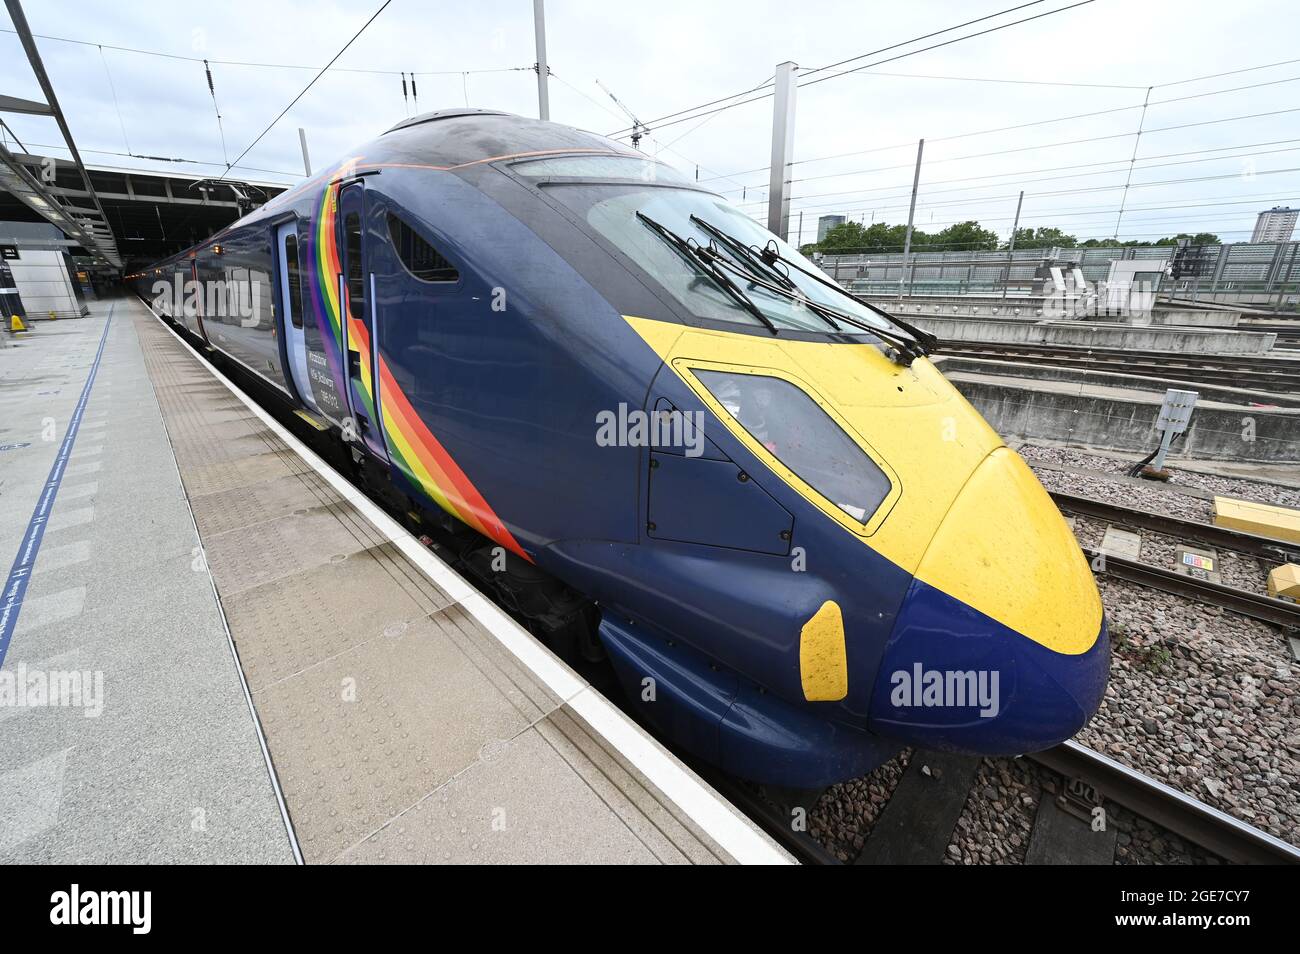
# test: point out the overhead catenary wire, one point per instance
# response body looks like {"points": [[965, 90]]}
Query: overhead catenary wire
{"points": [[969, 36], [382, 7], [1082, 191], [116, 105], [212, 89], [1074, 142], [1029, 125], [999, 80], [1020, 180], [649, 135], [675, 118], [927, 36], [269, 66], [884, 49], [976, 79], [1031, 211], [1056, 213], [1023, 172], [171, 159]]}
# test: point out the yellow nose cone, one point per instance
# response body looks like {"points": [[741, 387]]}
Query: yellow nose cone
{"points": [[1005, 550]]}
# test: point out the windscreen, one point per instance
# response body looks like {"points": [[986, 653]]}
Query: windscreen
{"points": [[611, 210]]}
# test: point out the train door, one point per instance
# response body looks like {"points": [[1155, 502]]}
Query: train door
{"points": [[295, 341], [193, 311], [356, 291]]}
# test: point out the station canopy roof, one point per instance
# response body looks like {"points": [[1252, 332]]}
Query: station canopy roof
{"points": [[151, 214]]}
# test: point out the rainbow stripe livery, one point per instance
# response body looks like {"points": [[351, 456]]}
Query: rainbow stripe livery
{"points": [[423, 459], [414, 450]]}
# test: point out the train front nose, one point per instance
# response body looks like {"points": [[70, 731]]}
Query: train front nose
{"points": [[1000, 646]]}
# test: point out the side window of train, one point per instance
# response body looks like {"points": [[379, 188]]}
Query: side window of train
{"points": [[258, 303], [295, 279], [421, 259], [356, 277]]}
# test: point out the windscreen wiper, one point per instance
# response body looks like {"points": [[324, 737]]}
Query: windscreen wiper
{"points": [[706, 260], [753, 261], [792, 293], [905, 349], [749, 252], [922, 342], [928, 342]]}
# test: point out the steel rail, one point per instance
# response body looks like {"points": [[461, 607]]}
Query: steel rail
{"points": [[1243, 602], [1204, 825], [1236, 540], [1212, 371], [1179, 358]]}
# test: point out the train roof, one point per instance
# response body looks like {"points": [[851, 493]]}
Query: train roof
{"points": [[451, 137], [447, 139]]}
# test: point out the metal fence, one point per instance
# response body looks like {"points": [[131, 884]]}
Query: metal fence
{"points": [[1259, 274]]}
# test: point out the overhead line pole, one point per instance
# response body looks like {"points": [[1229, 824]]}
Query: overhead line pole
{"points": [[539, 31], [778, 194], [1137, 142], [911, 215], [306, 160], [1011, 245]]}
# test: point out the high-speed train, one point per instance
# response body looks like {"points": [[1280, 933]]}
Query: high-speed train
{"points": [[665, 437]]}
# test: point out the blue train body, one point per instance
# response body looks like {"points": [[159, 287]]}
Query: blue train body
{"points": [[834, 556]]}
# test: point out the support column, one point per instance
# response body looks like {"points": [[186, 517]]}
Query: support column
{"points": [[543, 91], [778, 193]]}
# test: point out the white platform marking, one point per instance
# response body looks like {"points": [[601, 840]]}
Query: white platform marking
{"points": [[33, 793]]}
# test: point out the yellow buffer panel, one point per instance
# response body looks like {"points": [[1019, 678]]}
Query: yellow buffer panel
{"points": [[1280, 523], [823, 660]]}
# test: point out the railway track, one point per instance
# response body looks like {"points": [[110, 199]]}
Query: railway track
{"points": [[919, 822], [1256, 606], [1288, 335], [1275, 375], [1243, 602], [1221, 537], [1201, 824]]}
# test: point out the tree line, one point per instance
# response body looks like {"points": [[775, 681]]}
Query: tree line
{"points": [[969, 236]]}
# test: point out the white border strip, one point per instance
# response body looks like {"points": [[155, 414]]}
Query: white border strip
{"points": [[734, 833]]}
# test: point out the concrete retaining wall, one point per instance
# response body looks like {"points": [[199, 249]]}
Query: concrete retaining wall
{"points": [[1124, 424], [1156, 386], [1195, 317], [1098, 335]]}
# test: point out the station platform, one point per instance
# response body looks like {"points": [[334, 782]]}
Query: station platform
{"points": [[247, 661]]}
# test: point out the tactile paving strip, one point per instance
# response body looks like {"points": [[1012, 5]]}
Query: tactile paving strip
{"points": [[399, 728]]}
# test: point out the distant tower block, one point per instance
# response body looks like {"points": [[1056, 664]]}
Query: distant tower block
{"points": [[1275, 225], [827, 222]]}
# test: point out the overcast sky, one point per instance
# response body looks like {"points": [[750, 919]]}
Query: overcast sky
{"points": [[664, 57]]}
